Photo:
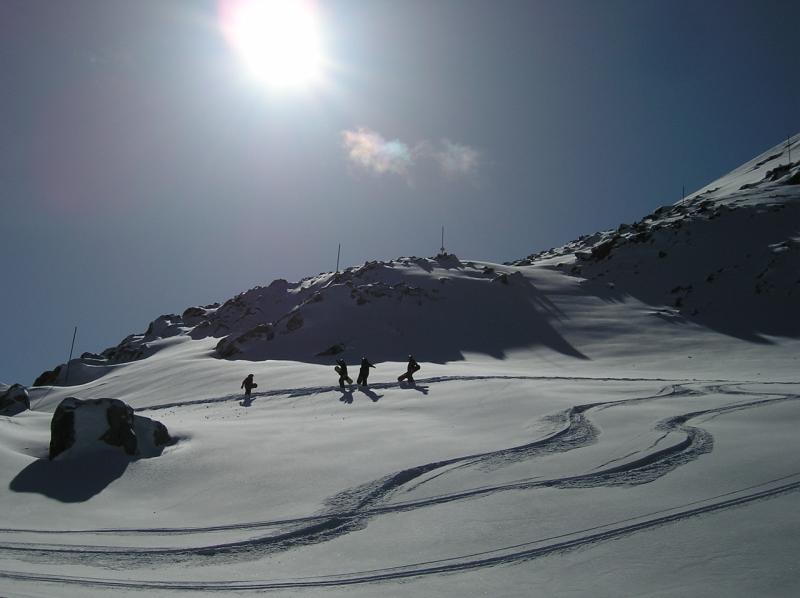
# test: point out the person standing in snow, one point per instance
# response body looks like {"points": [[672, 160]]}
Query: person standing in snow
{"points": [[413, 366], [248, 385], [363, 373], [341, 369]]}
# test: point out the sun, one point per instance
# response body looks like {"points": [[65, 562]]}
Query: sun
{"points": [[279, 41]]}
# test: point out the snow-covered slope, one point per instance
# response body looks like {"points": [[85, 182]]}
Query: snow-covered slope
{"points": [[577, 427], [725, 257]]}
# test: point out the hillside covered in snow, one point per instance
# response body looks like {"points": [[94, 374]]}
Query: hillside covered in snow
{"points": [[613, 417], [724, 258]]}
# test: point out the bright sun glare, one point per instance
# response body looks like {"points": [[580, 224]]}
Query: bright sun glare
{"points": [[278, 40]]}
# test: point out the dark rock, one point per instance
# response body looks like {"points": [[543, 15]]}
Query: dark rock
{"points": [[230, 345], [602, 250], [14, 400], [49, 377], [163, 327], [161, 435], [120, 426], [768, 159], [193, 316], [294, 323], [62, 429], [332, 350], [226, 348], [777, 172], [80, 426], [514, 277]]}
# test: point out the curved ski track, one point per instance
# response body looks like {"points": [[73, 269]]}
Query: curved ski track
{"points": [[353, 508]]}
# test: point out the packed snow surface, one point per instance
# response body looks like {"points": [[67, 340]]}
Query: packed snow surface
{"points": [[579, 427]]}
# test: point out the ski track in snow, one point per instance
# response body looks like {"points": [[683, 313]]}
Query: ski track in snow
{"points": [[353, 508], [313, 390]]}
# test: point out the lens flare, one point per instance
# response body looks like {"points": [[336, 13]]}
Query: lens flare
{"points": [[279, 41]]}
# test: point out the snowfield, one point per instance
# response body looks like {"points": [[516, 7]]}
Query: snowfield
{"points": [[578, 427]]}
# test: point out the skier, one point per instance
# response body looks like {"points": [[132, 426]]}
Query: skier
{"points": [[363, 373], [248, 385], [413, 366], [341, 369]]}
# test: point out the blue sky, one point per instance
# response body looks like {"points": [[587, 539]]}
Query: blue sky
{"points": [[144, 170]]}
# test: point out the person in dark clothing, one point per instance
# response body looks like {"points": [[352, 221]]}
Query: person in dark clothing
{"points": [[363, 373], [248, 385], [341, 369], [413, 367]]}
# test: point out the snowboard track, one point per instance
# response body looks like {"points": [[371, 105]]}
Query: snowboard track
{"points": [[353, 508], [503, 556]]}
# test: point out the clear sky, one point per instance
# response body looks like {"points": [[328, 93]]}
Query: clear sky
{"points": [[152, 157]]}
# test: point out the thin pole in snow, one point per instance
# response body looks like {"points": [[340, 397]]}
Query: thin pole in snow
{"points": [[72, 347], [442, 249], [338, 254]]}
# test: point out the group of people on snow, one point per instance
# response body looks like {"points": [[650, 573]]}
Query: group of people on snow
{"points": [[248, 384], [363, 372]]}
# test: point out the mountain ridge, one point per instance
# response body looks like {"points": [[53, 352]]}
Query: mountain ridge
{"points": [[679, 259]]}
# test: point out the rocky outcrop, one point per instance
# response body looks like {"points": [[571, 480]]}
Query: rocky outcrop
{"points": [[14, 400], [49, 377], [86, 426]]}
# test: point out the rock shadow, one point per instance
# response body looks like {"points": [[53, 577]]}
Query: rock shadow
{"points": [[71, 480]]}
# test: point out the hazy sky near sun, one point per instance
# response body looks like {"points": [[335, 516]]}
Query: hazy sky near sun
{"points": [[144, 169]]}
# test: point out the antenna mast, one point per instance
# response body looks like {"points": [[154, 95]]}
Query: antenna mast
{"points": [[338, 253], [442, 249], [66, 374]]}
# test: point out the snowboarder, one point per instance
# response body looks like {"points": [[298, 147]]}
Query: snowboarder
{"points": [[413, 367], [363, 373], [341, 369], [248, 385]]}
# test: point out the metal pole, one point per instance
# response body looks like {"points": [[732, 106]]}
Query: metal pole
{"points": [[66, 375], [442, 250], [338, 253]]}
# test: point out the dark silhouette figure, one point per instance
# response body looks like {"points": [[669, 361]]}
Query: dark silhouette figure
{"points": [[248, 385], [341, 369], [413, 367], [363, 373]]}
